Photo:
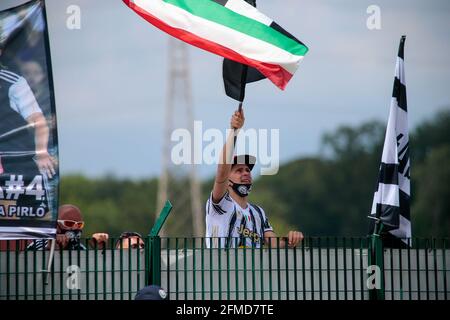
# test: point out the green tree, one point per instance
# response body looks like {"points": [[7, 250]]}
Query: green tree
{"points": [[111, 205], [430, 134], [330, 194], [431, 210]]}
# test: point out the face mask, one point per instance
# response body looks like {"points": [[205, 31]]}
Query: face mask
{"points": [[242, 189], [73, 236]]}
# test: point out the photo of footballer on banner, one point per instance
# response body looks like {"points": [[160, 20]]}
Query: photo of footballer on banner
{"points": [[28, 137]]}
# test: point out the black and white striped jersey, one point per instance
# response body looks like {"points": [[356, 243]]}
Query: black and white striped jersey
{"points": [[234, 226], [17, 103], [43, 244]]}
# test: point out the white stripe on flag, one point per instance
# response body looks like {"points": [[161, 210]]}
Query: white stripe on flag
{"points": [[21, 232], [239, 42], [387, 194], [389, 155], [404, 230], [400, 70], [404, 183], [245, 9]]}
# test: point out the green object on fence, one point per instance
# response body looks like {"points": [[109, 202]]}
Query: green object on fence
{"points": [[161, 219], [154, 247]]}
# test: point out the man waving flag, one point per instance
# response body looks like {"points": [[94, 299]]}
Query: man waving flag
{"points": [[390, 208], [233, 29]]}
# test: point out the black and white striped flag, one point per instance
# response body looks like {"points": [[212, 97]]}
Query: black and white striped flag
{"points": [[391, 200]]}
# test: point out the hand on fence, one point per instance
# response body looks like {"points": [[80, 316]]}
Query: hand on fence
{"points": [[100, 239], [294, 238]]}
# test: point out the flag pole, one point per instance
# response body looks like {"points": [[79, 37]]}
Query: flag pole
{"points": [[50, 261], [242, 96], [375, 256], [235, 129], [376, 259]]}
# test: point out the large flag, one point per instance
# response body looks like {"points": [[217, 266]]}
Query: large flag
{"points": [[236, 75], [233, 29], [391, 201], [28, 137]]}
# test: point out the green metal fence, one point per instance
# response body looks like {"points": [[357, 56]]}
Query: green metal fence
{"points": [[93, 274], [321, 268]]}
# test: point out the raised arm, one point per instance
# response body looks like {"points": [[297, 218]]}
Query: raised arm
{"points": [[226, 157], [45, 162], [23, 101]]}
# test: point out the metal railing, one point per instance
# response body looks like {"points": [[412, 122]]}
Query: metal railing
{"points": [[92, 274], [321, 268]]}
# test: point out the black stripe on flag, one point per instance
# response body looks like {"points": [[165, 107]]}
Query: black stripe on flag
{"points": [[403, 156], [221, 2], [404, 201], [401, 48], [278, 28], [28, 223], [399, 92], [389, 215], [388, 173]]}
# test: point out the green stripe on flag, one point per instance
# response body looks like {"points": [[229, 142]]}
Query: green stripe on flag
{"points": [[214, 12]]}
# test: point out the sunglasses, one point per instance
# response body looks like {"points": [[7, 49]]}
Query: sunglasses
{"points": [[71, 224]]}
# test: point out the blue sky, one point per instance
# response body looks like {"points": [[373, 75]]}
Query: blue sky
{"points": [[111, 75]]}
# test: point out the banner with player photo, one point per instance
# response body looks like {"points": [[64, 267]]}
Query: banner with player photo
{"points": [[29, 176]]}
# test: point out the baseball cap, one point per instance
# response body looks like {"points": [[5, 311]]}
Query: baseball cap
{"points": [[69, 211], [247, 159], [151, 292]]}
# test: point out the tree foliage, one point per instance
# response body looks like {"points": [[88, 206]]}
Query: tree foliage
{"points": [[330, 194]]}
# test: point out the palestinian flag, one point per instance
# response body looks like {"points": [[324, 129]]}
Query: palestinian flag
{"points": [[232, 29]]}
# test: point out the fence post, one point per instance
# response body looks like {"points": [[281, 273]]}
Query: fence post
{"points": [[376, 257], [153, 252], [155, 260]]}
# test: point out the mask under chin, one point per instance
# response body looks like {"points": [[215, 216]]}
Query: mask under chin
{"points": [[241, 189]]}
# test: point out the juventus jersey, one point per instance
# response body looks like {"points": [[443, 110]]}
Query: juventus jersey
{"points": [[234, 226], [17, 103]]}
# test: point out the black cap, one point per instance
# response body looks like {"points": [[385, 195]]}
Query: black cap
{"points": [[245, 159], [152, 292]]}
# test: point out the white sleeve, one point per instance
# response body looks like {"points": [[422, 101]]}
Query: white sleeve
{"points": [[225, 205], [22, 99]]}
